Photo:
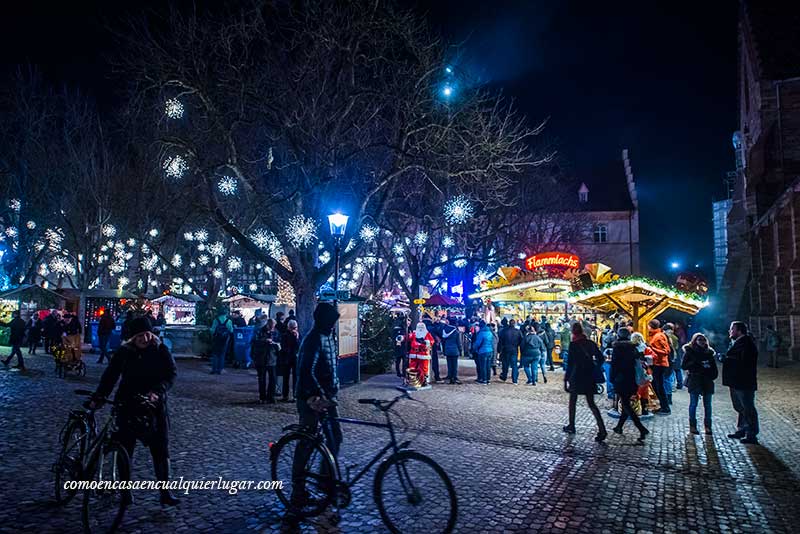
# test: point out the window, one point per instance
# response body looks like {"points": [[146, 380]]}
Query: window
{"points": [[601, 233]]}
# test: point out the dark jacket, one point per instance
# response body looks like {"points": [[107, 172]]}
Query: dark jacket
{"points": [[16, 328], [106, 325], [73, 327], [624, 359], [287, 356], [451, 340], [264, 347], [702, 367], [51, 327], [510, 340], [533, 348], [140, 372], [316, 360], [740, 365], [583, 357], [551, 337], [34, 330]]}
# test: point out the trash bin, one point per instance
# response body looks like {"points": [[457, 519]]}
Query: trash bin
{"points": [[242, 336]]}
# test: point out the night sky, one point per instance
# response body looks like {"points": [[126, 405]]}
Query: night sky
{"points": [[658, 78]]}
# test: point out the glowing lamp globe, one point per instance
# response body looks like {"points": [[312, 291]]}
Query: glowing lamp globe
{"points": [[338, 224]]}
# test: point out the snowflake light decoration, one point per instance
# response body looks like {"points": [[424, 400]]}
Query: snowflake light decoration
{"points": [[176, 261], [217, 249], [228, 185], [252, 287], [188, 236], [368, 233], [201, 247], [109, 230], [153, 232], [234, 263], [401, 272], [301, 231], [458, 210], [12, 231], [30, 225], [61, 265], [266, 240], [173, 108], [15, 204], [123, 281], [358, 270], [150, 263], [437, 271], [43, 270], [325, 257], [420, 238], [175, 166], [131, 242], [117, 266], [398, 249], [217, 273], [203, 259], [448, 242], [370, 261], [201, 235], [460, 262]]}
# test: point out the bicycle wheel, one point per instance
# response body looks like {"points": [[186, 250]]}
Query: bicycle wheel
{"points": [[68, 464], [414, 494], [307, 475], [104, 507]]}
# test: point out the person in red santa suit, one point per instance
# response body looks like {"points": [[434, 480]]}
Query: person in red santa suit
{"points": [[420, 344]]}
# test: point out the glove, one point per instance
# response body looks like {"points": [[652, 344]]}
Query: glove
{"points": [[319, 404]]}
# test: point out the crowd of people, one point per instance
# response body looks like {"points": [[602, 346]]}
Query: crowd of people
{"points": [[640, 376], [48, 329]]}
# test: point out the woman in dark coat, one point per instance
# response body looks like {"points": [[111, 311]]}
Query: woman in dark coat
{"points": [[287, 358], [624, 359], [264, 350], [34, 333], [584, 357], [699, 360]]}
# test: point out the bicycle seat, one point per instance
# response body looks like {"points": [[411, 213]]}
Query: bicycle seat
{"points": [[296, 427]]}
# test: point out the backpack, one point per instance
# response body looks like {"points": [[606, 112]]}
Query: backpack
{"points": [[221, 333]]}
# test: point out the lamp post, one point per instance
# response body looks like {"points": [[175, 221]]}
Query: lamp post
{"points": [[338, 225]]}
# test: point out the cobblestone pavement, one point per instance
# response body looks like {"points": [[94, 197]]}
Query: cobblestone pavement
{"points": [[502, 445]]}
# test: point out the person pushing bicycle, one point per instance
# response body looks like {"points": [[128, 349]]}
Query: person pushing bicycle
{"points": [[318, 386], [144, 367]]}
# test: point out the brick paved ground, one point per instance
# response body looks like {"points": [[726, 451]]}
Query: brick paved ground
{"points": [[514, 469]]}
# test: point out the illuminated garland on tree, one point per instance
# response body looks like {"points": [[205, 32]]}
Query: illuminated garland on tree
{"points": [[647, 284], [285, 294]]}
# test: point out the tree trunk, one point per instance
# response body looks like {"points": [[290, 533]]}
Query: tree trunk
{"points": [[468, 288], [305, 302]]}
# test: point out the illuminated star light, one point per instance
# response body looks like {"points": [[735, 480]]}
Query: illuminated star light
{"points": [[217, 273], [228, 185], [175, 166], [420, 238], [176, 261], [217, 249], [109, 230], [301, 231], [30, 225], [15, 204], [448, 242], [460, 262], [203, 259], [173, 108], [458, 210], [201, 235], [266, 240], [368, 233], [398, 249], [234, 263]]}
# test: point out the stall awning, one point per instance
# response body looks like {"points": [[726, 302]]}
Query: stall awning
{"points": [[74, 294], [192, 299], [31, 292], [443, 301], [257, 297], [546, 289]]}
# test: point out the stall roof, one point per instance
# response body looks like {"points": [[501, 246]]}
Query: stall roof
{"points": [[443, 301], [545, 289], [185, 298], [20, 291], [260, 297], [70, 293]]}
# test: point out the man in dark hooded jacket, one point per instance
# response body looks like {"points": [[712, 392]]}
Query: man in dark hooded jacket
{"points": [[145, 368], [16, 336], [739, 373], [316, 391]]}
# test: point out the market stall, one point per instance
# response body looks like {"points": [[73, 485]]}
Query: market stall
{"points": [[439, 305], [96, 302], [177, 309], [640, 299], [28, 299], [248, 304]]}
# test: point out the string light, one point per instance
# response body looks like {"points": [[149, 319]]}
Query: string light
{"points": [[458, 210], [228, 185], [301, 231], [234, 263], [175, 166], [420, 238], [201, 235], [15, 204], [203, 259], [368, 233], [109, 230], [176, 261], [217, 249], [266, 240], [30, 225], [448, 242], [173, 108]]}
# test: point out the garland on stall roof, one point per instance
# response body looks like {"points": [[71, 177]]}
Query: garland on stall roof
{"points": [[656, 284]]}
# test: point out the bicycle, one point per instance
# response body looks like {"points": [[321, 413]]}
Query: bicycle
{"points": [[430, 496], [89, 454]]}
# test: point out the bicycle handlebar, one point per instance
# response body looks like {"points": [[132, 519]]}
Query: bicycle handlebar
{"points": [[386, 405]]}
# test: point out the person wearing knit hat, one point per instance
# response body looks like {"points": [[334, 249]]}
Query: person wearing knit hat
{"points": [[145, 369], [624, 359]]}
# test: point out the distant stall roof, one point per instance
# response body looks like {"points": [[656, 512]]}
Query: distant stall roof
{"points": [[28, 291], [71, 294], [185, 298], [259, 297], [443, 301]]}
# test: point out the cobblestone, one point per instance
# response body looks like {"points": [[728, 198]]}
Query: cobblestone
{"points": [[513, 467]]}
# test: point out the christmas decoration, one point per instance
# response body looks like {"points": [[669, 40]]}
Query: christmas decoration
{"points": [[15, 204], [420, 238], [173, 108], [448, 242], [285, 295], [201, 235], [30, 225], [266, 240], [301, 231], [175, 167], [368, 233], [234, 263], [217, 249], [458, 210], [398, 249], [228, 185], [176, 261]]}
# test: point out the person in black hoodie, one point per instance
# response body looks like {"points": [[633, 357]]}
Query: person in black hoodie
{"points": [[510, 343], [452, 346], [316, 392], [699, 361], [579, 378], [739, 372], [144, 367], [624, 360], [264, 350], [16, 336]]}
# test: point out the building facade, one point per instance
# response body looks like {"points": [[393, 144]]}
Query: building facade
{"points": [[762, 277]]}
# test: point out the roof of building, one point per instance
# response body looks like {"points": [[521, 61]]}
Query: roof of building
{"points": [[608, 189], [776, 31]]}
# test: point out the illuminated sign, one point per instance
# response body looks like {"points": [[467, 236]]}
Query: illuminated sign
{"points": [[553, 259]]}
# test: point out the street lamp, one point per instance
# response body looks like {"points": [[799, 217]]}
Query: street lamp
{"points": [[338, 225]]}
